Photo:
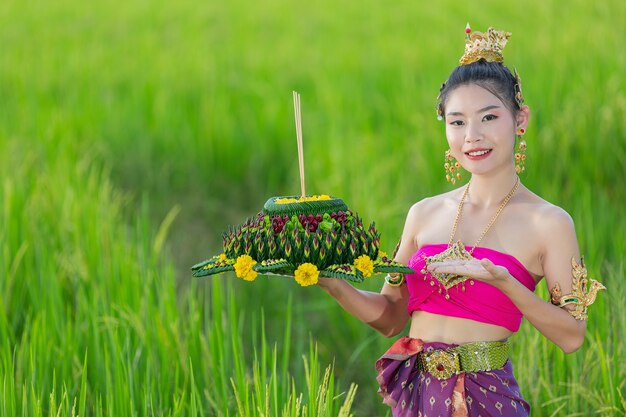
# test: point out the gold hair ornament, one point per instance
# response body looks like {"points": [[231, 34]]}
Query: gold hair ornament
{"points": [[580, 297], [487, 46], [519, 98]]}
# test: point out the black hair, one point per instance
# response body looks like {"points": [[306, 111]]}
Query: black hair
{"points": [[492, 76]]}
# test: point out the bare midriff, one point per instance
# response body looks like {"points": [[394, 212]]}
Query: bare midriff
{"points": [[453, 330]]}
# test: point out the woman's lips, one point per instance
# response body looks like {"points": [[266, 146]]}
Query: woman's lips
{"points": [[477, 154]]}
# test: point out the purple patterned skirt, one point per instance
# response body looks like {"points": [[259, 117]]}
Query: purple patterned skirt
{"points": [[411, 392]]}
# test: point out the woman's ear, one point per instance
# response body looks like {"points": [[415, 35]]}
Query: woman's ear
{"points": [[522, 117]]}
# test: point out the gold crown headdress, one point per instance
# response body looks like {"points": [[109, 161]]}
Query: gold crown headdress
{"points": [[488, 46]]}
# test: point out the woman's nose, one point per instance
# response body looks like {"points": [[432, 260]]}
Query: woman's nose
{"points": [[472, 133]]}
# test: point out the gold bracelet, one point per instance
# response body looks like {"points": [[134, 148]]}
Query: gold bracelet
{"points": [[396, 280]]}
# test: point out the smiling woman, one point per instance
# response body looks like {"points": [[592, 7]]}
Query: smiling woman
{"points": [[464, 302]]}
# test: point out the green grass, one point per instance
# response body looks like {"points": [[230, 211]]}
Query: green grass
{"points": [[131, 136]]}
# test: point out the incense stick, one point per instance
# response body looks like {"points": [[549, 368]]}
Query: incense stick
{"points": [[296, 108]]}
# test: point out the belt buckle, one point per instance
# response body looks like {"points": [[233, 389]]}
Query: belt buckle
{"points": [[442, 364]]}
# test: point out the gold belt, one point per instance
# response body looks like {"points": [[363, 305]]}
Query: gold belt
{"points": [[471, 357]]}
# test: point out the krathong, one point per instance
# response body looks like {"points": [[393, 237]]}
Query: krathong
{"points": [[304, 239]]}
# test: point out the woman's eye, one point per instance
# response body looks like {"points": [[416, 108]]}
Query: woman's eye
{"points": [[490, 117], [456, 122]]}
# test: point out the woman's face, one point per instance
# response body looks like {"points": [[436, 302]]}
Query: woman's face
{"points": [[481, 129]]}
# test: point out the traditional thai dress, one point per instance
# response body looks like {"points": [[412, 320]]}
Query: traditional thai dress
{"points": [[411, 389]]}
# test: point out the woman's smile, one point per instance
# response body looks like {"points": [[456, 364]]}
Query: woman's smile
{"points": [[478, 154]]}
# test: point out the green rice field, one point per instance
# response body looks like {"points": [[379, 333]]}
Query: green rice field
{"points": [[133, 133]]}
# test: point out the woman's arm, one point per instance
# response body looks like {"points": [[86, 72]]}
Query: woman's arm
{"points": [[385, 311], [555, 323]]}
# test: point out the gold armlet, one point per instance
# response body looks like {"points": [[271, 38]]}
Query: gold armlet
{"points": [[581, 296], [394, 279]]}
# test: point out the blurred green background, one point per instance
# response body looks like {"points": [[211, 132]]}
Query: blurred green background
{"points": [[132, 134]]}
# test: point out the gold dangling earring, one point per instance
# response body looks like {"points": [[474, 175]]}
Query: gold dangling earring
{"points": [[451, 167], [520, 155]]}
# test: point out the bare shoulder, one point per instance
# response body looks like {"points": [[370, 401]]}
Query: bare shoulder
{"points": [[429, 205], [428, 212], [552, 223], [551, 217]]}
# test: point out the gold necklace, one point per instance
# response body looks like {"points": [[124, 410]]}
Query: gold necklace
{"points": [[457, 251]]}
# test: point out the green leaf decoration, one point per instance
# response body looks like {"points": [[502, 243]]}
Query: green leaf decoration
{"points": [[396, 267], [212, 270], [344, 271], [202, 264], [305, 207], [271, 265]]}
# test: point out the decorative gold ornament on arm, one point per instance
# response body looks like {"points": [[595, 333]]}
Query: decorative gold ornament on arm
{"points": [[581, 297]]}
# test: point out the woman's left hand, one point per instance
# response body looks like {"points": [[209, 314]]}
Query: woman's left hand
{"points": [[483, 270]]}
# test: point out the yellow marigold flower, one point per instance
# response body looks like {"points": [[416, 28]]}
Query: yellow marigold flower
{"points": [[301, 199], [364, 264], [285, 200], [243, 268], [307, 274]]}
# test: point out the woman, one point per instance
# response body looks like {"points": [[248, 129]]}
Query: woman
{"points": [[464, 302]]}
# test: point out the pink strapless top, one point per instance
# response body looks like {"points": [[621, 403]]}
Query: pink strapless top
{"points": [[478, 301]]}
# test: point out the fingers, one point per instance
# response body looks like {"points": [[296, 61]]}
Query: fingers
{"points": [[458, 268], [483, 269], [495, 270], [487, 264], [454, 264], [447, 264]]}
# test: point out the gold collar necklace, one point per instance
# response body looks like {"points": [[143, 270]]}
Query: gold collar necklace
{"points": [[457, 251]]}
